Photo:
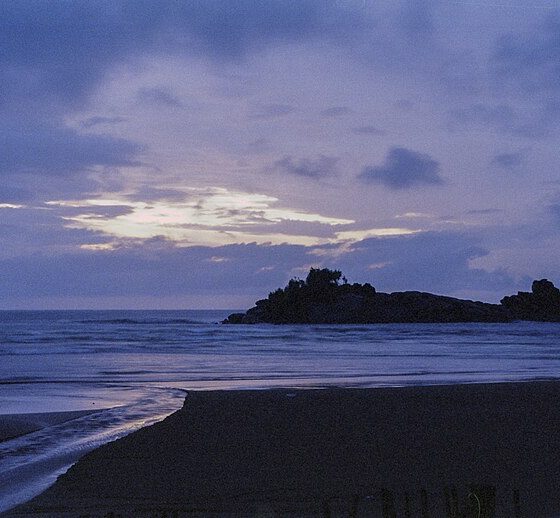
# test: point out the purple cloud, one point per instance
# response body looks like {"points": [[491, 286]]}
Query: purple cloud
{"points": [[404, 169], [307, 167]]}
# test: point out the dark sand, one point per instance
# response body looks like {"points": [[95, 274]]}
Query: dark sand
{"points": [[449, 451], [14, 425]]}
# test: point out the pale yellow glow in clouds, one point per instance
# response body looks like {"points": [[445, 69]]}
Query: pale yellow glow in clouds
{"points": [[206, 217], [10, 206], [358, 235], [212, 217]]}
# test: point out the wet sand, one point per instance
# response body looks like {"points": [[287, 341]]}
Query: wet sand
{"points": [[450, 451], [14, 425]]}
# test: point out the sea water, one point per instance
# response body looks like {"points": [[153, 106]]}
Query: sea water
{"points": [[133, 368]]}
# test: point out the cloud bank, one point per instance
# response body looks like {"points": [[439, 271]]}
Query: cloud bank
{"points": [[258, 138]]}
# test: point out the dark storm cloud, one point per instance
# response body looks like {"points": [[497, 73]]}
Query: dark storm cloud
{"points": [[307, 167], [62, 48], [406, 37], [229, 29], [154, 269], [416, 20], [35, 231], [59, 50], [530, 62], [534, 123], [13, 192], [436, 262], [54, 55], [55, 150], [38, 187], [404, 169], [508, 161], [45, 159]]}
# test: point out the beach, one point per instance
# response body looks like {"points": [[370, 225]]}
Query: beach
{"points": [[15, 425], [21, 479], [483, 449]]}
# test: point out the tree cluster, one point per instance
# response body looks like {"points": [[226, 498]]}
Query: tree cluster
{"points": [[302, 301], [326, 297]]}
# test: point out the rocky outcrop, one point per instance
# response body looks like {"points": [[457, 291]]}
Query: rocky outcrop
{"points": [[321, 299], [542, 304]]}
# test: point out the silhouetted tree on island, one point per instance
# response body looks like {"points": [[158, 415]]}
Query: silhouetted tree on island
{"points": [[295, 302], [322, 279], [321, 299]]}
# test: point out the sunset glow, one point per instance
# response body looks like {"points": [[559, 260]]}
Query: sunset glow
{"points": [[416, 135]]}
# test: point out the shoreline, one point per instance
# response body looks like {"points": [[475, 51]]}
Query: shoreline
{"points": [[295, 451], [16, 425]]}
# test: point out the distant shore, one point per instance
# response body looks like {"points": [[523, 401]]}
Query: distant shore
{"points": [[338, 451], [321, 299]]}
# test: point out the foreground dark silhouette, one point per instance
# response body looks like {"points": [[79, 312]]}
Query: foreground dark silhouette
{"points": [[323, 299], [478, 450]]}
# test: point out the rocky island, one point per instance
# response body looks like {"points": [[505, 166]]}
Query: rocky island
{"points": [[325, 297]]}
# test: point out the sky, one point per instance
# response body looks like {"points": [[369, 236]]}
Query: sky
{"points": [[199, 154]]}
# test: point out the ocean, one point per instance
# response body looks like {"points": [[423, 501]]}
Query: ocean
{"points": [[133, 368]]}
